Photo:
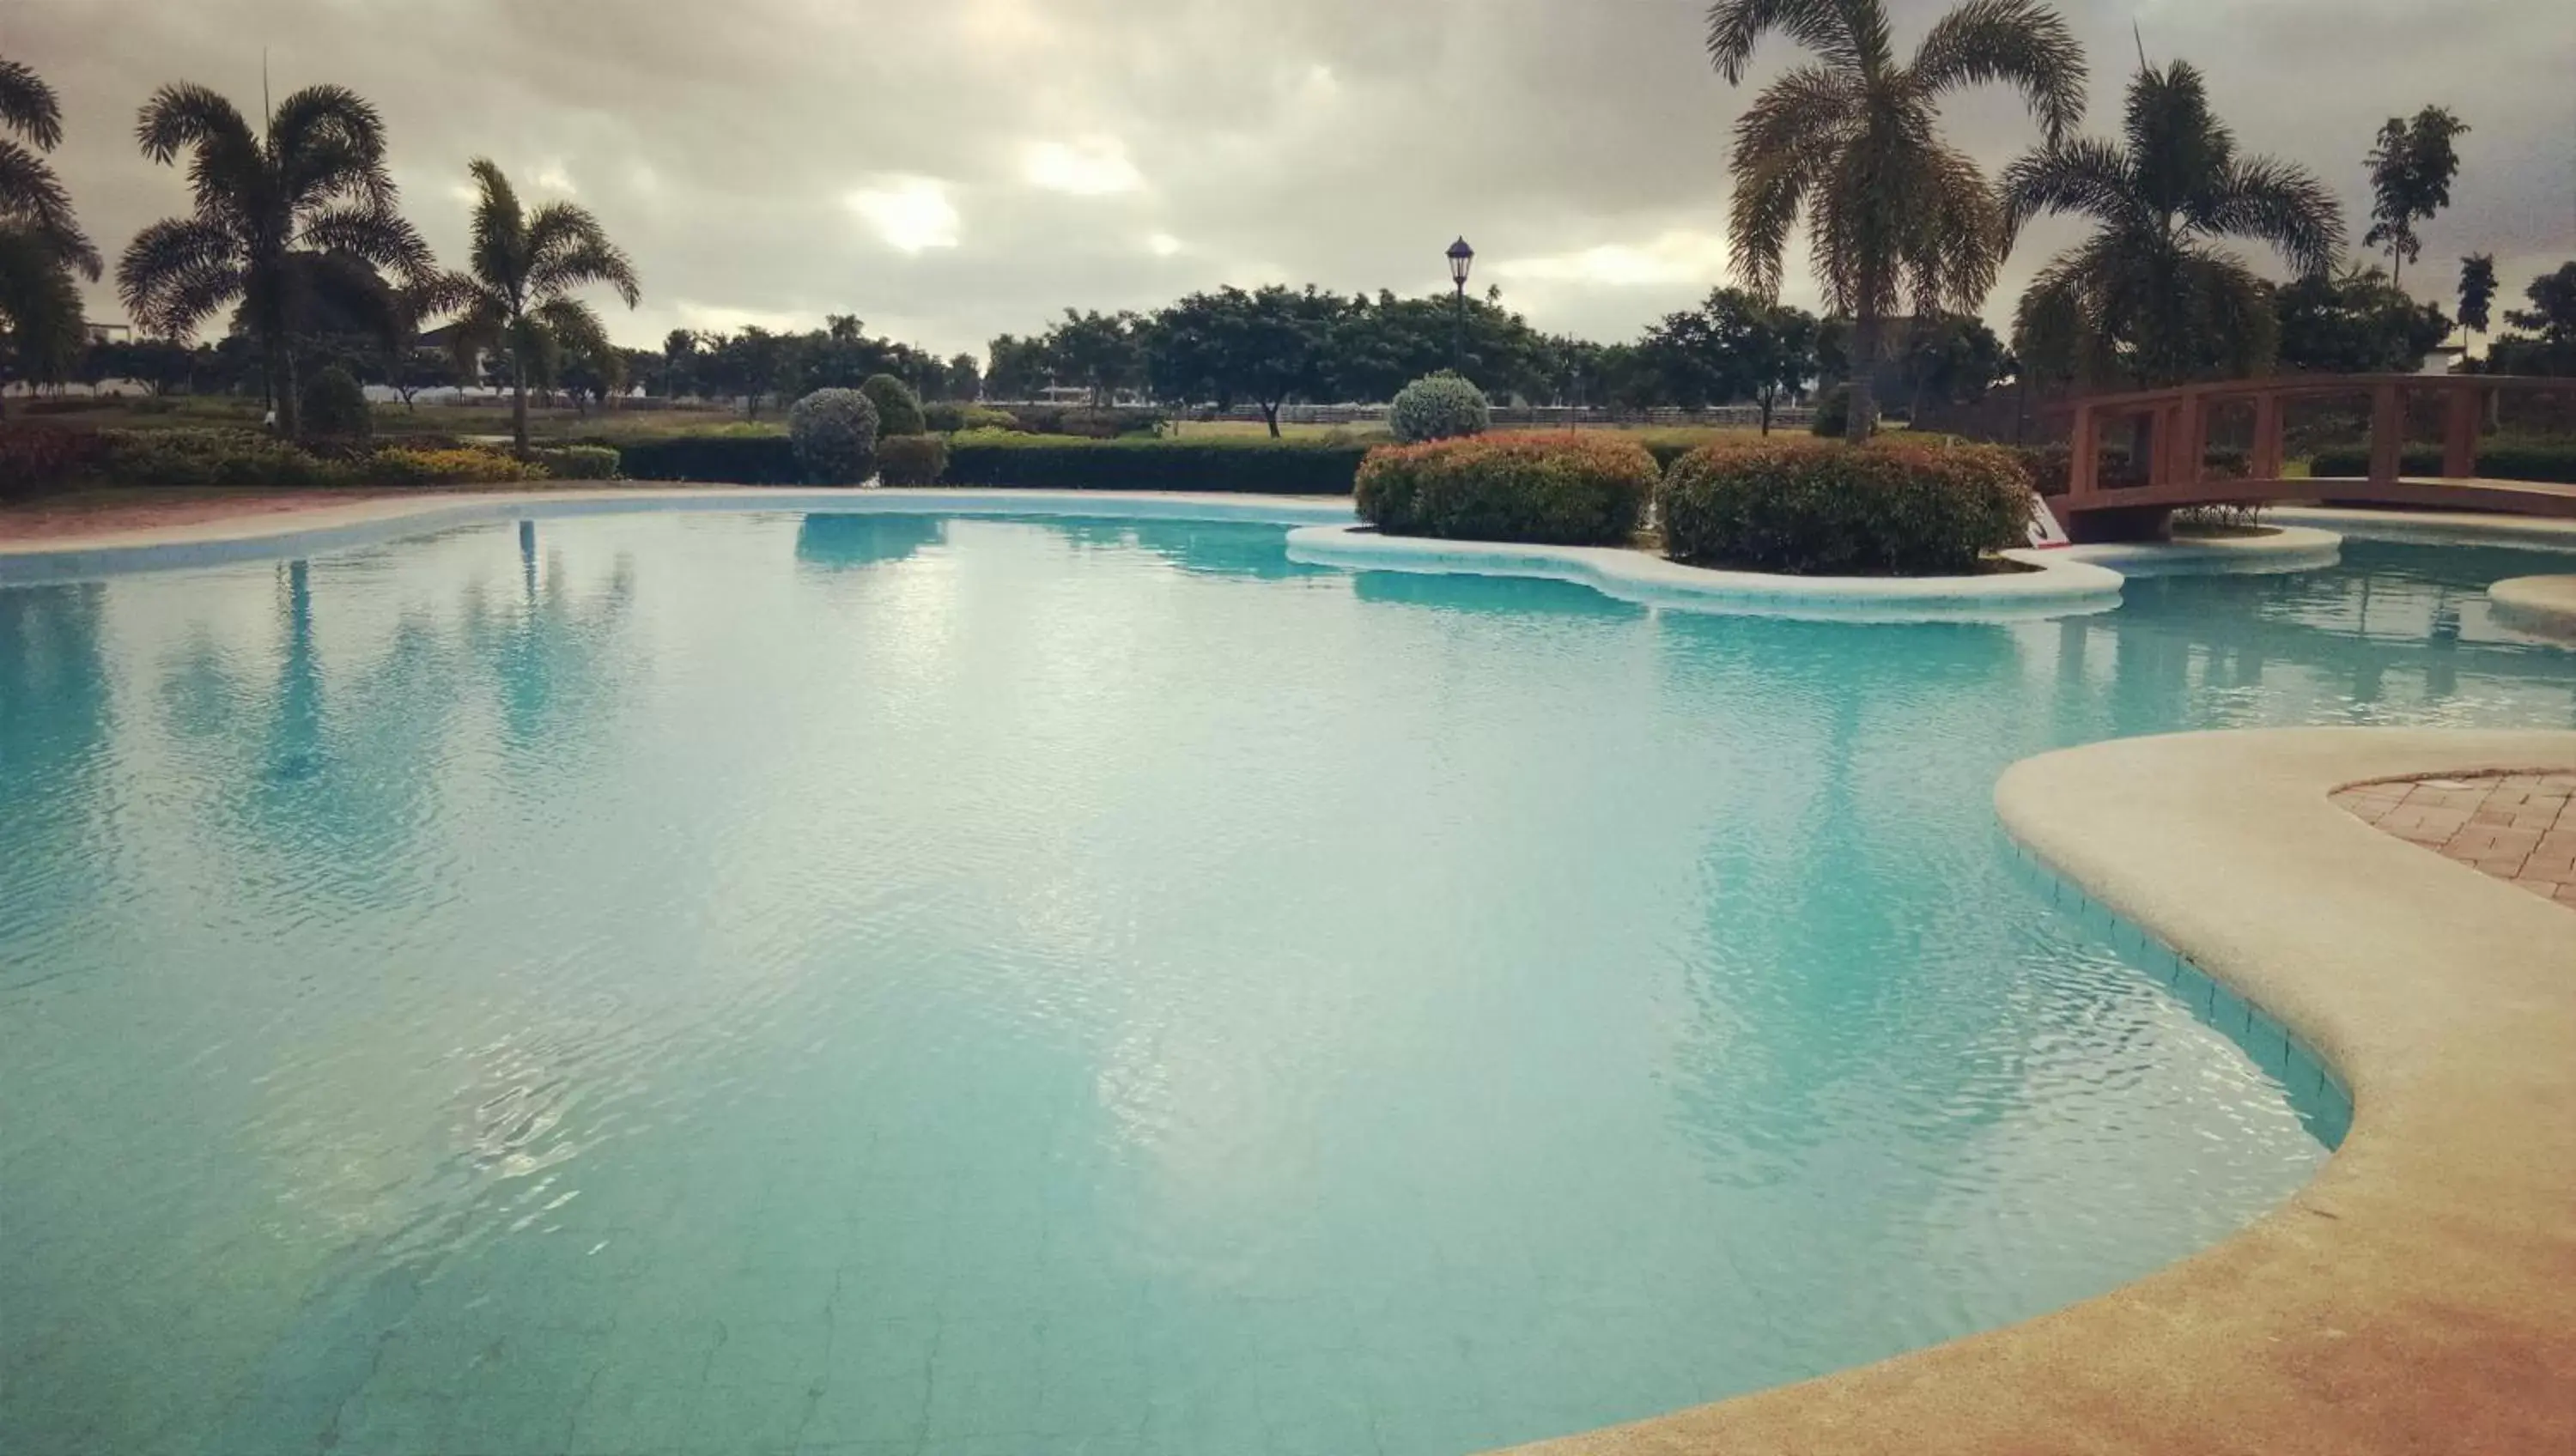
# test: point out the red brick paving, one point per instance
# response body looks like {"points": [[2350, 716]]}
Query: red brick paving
{"points": [[2516, 826]]}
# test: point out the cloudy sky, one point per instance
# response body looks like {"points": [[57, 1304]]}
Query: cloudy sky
{"points": [[951, 169]]}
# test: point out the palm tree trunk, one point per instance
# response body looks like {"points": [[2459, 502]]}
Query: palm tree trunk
{"points": [[518, 403], [1864, 371], [290, 400]]}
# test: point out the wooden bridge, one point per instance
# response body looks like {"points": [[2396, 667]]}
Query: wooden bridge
{"points": [[2174, 426]]}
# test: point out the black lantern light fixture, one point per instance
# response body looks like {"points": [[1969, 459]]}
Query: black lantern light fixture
{"points": [[1461, 258]]}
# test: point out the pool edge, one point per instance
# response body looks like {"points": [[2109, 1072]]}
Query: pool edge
{"points": [[2408, 1298]]}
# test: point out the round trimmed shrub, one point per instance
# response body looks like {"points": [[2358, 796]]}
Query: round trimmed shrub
{"points": [[898, 408], [335, 405], [1439, 406], [834, 432], [911, 460], [1561, 489], [1821, 508]]}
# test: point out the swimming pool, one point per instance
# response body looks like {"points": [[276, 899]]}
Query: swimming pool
{"points": [[734, 982]]}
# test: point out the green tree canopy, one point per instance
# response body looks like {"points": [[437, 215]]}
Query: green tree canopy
{"points": [[2355, 322], [2411, 167], [2549, 346], [1851, 142], [2150, 298], [2477, 291], [1264, 346]]}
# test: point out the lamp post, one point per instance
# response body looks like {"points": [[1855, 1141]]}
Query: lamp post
{"points": [[1461, 258]]}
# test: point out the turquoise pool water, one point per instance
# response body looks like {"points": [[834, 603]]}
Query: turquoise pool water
{"points": [[722, 983]]}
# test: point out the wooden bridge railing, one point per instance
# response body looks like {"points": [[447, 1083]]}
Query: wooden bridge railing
{"points": [[2178, 427]]}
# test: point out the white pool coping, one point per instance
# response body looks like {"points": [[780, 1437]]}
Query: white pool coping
{"points": [[2274, 549], [2060, 586], [2541, 604], [2434, 528]]}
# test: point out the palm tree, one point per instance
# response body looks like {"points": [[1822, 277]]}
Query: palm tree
{"points": [[1851, 142], [2149, 298], [289, 223], [40, 243], [524, 270]]}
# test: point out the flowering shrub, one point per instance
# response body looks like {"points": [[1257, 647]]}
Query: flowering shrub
{"points": [[465, 465], [579, 462], [1564, 489], [1821, 508], [898, 408], [1438, 407], [834, 432], [912, 460]]}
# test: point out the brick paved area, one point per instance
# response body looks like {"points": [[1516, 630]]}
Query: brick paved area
{"points": [[2519, 827]]}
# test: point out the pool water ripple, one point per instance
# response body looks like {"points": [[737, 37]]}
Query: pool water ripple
{"points": [[714, 983]]}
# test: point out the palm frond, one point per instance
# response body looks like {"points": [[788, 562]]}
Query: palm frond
{"points": [[1954, 233], [155, 277], [383, 238], [567, 248], [1767, 199], [2281, 204], [28, 106], [328, 141], [499, 252], [2234, 310], [2022, 43], [184, 115], [1805, 110], [2079, 175], [1822, 26], [31, 195], [577, 331], [482, 326], [2178, 148]]}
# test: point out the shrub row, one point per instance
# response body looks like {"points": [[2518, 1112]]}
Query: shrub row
{"points": [[2505, 457], [1559, 489], [712, 459], [34, 458], [1819, 508], [1040, 462]]}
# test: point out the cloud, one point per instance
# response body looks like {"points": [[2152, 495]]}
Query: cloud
{"points": [[1093, 167], [1162, 245], [909, 213], [1676, 256], [967, 169]]}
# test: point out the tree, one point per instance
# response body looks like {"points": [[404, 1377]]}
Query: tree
{"points": [[2149, 299], [679, 358], [1852, 143], [41, 245], [1020, 368], [519, 284], [1097, 350], [1949, 359], [2550, 347], [1735, 345], [2411, 167], [2477, 291], [1264, 346], [2355, 322], [965, 380], [286, 220]]}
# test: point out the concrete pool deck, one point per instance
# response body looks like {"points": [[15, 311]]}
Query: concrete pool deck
{"points": [[2414, 1297]]}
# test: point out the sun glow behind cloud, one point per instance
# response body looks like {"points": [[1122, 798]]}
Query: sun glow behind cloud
{"points": [[910, 213], [1677, 256], [1089, 167]]}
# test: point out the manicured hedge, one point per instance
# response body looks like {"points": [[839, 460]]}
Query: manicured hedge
{"points": [[38, 458], [2502, 458], [41, 457], [911, 460], [712, 459], [578, 462], [1045, 462], [1561, 489], [1820, 508]]}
